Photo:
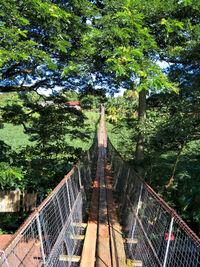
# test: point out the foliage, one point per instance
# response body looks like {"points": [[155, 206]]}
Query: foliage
{"points": [[121, 116], [171, 119], [118, 108], [91, 98], [11, 221], [10, 176], [121, 43], [176, 30], [56, 141], [39, 44]]}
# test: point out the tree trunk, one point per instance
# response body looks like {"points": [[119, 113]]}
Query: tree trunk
{"points": [[175, 165], [139, 154]]}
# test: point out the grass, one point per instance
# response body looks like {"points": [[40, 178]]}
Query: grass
{"points": [[14, 136], [90, 130]]}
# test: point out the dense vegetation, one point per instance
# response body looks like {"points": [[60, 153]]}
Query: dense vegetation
{"points": [[39, 146], [172, 148], [94, 47]]}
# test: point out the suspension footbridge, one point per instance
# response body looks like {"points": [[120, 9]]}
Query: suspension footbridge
{"points": [[102, 214]]}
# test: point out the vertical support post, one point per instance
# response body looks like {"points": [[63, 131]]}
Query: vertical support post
{"points": [[118, 174], [60, 211], [45, 232], [79, 177], [40, 237], [139, 200], [61, 216], [127, 180], [138, 207], [168, 242], [70, 204], [124, 190], [68, 195], [89, 160]]}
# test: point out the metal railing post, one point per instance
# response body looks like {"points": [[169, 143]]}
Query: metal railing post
{"points": [[138, 207], [139, 200], [45, 231], [40, 237], [168, 242], [68, 195], [61, 216], [60, 211], [79, 177], [125, 187], [117, 176]]}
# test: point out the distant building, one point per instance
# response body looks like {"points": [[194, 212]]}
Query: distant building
{"points": [[45, 103], [73, 104]]}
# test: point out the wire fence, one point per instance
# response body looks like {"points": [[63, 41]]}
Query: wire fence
{"points": [[50, 236], [154, 233]]}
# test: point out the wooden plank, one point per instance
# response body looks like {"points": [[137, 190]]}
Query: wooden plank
{"points": [[98, 208], [69, 258], [134, 263], [130, 240], [117, 244], [117, 241], [137, 263], [103, 243], [78, 237], [78, 224], [89, 247]]}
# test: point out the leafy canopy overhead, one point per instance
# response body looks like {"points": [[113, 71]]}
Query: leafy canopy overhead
{"points": [[39, 40], [56, 43], [122, 45]]}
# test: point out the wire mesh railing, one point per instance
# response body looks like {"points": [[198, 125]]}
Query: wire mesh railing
{"points": [[155, 234], [52, 230]]}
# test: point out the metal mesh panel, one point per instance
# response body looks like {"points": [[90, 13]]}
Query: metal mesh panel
{"points": [[53, 229], [183, 251], [142, 250], [154, 233], [67, 242], [26, 247]]}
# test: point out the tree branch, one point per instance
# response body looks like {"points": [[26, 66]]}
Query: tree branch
{"points": [[24, 88]]}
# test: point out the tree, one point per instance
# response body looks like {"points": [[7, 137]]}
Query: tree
{"points": [[53, 131], [92, 98], [39, 49], [39, 43], [132, 95], [122, 45], [176, 31]]}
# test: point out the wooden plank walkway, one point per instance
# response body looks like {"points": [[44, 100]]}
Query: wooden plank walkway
{"points": [[103, 244]]}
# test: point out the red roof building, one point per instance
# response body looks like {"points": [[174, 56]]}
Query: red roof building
{"points": [[73, 104]]}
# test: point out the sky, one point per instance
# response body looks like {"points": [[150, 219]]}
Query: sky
{"points": [[47, 92]]}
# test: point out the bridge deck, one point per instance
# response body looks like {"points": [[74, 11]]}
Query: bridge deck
{"points": [[103, 245]]}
